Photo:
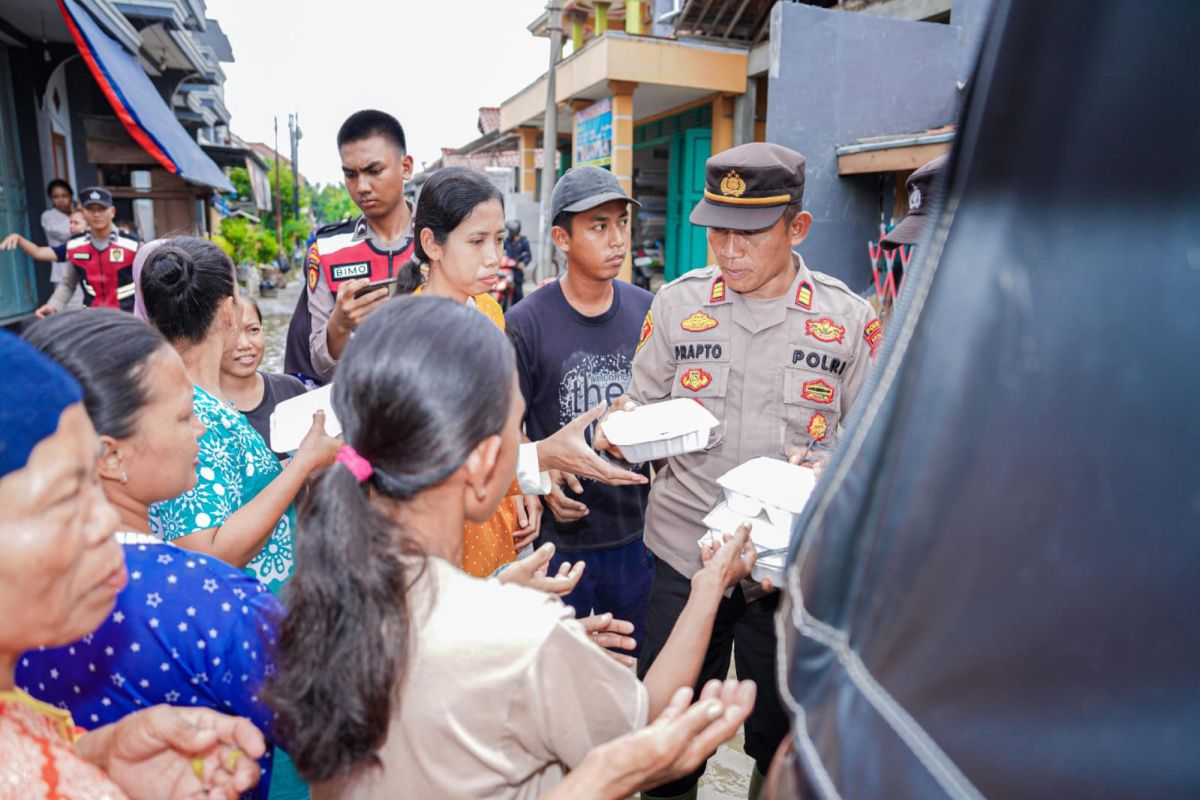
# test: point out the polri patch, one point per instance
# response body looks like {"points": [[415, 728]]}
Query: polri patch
{"points": [[718, 290], [647, 329], [818, 426], [818, 391], [314, 275], [116, 255], [698, 322], [825, 330], [804, 295], [345, 272], [695, 379], [873, 335]]}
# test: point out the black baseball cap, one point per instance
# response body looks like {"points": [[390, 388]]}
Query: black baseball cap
{"points": [[581, 188], [923, 187], [96, 196], [747, 188]]}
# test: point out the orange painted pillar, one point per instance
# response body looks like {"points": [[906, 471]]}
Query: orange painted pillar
{"points": [[528, 160], [622, 147], [722, 123]]}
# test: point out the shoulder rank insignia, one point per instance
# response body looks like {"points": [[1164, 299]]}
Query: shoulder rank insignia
{"points": [[818, 391], [818, 426], [825, 330], [718, 290], [873, 335], [647, 329], [695, 379], [698, 323], [804, 295]]}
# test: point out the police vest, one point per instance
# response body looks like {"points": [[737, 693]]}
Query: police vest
{"points": [[345, 253], [105, 275]]}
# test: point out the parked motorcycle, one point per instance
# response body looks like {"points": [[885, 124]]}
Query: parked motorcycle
{"points": [[503, 290]]}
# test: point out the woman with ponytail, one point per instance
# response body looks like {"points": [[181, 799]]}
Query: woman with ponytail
{"points": [[240, 509], [398, 674], [459, 230]]}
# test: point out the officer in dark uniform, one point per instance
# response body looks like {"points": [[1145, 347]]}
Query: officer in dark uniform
{"points": [[778, 353]]}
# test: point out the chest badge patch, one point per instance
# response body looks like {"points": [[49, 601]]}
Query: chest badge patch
{"points": [[873, 335], [818, 391], [81, 255], [698, 323], [695, 379], [804, 295], [116, 255], [825, 330], [718, 291], [818, 426], [647, 329]]}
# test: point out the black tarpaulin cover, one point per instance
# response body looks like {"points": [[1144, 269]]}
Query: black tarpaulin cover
{"points": [[996, 590]]}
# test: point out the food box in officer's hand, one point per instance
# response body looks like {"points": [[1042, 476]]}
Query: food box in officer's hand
{"points": [[768, 486], [763, 532], [293, 418], [660, 430], [769, 567]]}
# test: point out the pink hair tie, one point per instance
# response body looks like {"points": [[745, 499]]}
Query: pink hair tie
{"points": [[359, 467]]}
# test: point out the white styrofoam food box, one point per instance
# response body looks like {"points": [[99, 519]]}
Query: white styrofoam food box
{"points": [[769, 568], [292, 419], [768, 486], [660, 430], [763, 532]]}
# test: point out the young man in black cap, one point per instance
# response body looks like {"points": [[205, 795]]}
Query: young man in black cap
{"points": [[101, 259], [346, 257], [778, 353], [575, 341]]}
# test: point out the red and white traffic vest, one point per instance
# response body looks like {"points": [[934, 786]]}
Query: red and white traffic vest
{"points": [[105, 275]]}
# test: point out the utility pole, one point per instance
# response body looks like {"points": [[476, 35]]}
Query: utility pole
{"points": [[278, 194], [295, 134], [550, 140]]}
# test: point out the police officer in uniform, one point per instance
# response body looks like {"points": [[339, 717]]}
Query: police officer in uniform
{"points": [[778, 353]]}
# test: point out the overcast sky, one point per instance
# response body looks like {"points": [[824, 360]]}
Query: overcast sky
{"points": [[431, 63]]}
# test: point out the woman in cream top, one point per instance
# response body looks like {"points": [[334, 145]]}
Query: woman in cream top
{"points": [[401, 675]]}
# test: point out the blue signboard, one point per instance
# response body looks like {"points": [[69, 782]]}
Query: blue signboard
{"points": [[593, 135]]}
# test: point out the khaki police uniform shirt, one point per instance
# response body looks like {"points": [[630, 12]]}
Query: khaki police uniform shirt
{"points": [[772, 379]]}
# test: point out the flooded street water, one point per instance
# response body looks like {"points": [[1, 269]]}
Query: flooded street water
{"points": [[277, 313]]}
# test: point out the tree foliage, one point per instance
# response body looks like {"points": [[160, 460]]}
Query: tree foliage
{"points": [[332, 203]]}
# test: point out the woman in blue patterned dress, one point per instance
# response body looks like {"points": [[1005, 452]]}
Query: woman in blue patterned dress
{"points": [[188, 629], [240, 509]]}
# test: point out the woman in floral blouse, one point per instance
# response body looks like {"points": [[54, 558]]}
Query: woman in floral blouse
{"points": [[241, 507]]}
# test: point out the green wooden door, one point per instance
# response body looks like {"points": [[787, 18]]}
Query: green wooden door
{"points": [[686, 246], [18, 292]]}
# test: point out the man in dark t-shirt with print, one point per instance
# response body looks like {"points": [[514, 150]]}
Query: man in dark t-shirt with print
{"points": [[575, 339]]}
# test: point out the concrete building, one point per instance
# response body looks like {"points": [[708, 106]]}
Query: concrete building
{"points": [[866, 89], [125, 94]]}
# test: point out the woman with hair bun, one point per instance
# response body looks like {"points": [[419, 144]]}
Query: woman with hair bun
{"points": [[240, 509]]}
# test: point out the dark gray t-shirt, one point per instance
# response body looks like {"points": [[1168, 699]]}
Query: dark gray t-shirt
{"points": [[567, 363], [277, 387]]}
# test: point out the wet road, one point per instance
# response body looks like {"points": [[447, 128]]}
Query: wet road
{"points": [[728, 775]]}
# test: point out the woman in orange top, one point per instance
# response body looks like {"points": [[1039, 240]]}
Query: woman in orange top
{"points": [[459, 229]]}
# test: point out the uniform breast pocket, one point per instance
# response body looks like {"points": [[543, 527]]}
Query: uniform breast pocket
{"points": [[707, 384], [814, 405]]}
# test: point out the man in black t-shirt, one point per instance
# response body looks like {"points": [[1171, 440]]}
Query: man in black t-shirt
{"points": [[575, 339]]}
